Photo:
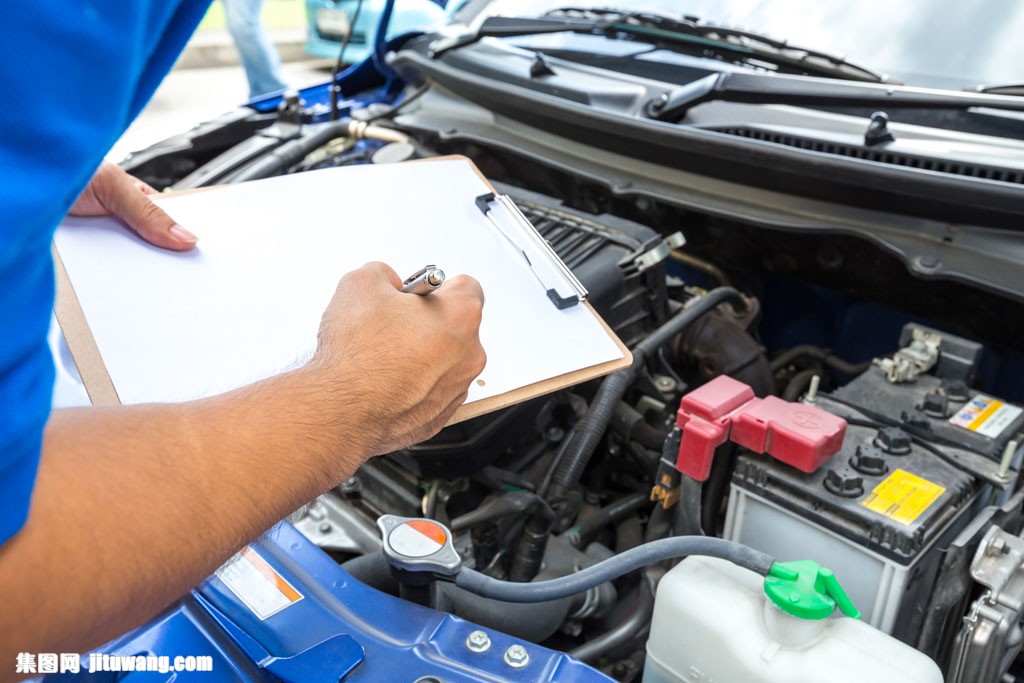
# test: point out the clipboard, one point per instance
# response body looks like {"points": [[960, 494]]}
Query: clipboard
{"points": [[100, 386]]}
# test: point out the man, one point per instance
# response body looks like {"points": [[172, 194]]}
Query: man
{"points": [[107, 515], [259, 56]]}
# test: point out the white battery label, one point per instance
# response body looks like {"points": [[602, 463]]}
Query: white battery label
{"points": [[986, 416], [258, 585]]}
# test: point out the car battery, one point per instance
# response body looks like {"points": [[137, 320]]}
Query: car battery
{"points": [[921, 457], [878, 512], [939, 406]]}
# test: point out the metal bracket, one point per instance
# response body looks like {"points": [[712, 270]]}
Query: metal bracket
{"points": [[650, 255]]}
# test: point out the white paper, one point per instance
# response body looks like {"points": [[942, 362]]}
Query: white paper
{"points": [[246, 303]]}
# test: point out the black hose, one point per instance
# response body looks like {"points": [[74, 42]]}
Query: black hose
{"points": [[612, 568], [626, 420], [515, 618], [520, 620], [587, 434], [688, 521], [824, 355], [373, 570], [430, 505], [610, 514], [511, 503], [292, 152], [639, 617], [628, 534], [722, 467], [798, 385]]}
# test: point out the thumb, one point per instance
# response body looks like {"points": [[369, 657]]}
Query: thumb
{"points": [[126, 200]]}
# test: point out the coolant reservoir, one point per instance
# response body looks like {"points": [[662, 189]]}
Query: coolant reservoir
{"points": [[715, 622]]}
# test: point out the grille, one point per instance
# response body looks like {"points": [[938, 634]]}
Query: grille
{"points": [[880, 156]]}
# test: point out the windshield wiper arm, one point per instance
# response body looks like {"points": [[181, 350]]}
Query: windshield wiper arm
{"points": [[1015, 89], [744, 45], [507, 27], [748, 44], [753, 88]]}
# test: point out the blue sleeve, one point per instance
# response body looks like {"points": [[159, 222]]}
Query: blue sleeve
{"points": [[75, 73]]}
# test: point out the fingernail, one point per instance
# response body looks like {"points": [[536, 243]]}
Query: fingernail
{"points": [[182, 235]]}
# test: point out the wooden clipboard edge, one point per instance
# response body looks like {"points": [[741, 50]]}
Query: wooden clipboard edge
{"points": [[468, 411], [80, 339], [510, 398], [101, 391]]}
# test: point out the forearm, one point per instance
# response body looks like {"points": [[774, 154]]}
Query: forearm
{"points": [[133, 506]]}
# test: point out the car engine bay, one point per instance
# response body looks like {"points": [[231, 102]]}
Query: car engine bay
{"points": [[918, 509]]}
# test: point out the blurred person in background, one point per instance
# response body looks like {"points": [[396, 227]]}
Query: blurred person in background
{"points": [[259, 56]]}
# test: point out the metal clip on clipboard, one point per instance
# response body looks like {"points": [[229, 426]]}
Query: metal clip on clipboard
{"points": [[568, 291]]}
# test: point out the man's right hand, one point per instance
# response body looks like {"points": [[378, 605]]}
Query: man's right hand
{"points": [[401, 362]]}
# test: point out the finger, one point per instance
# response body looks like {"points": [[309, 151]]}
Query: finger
{"points": [[464, 285], [144, 187], [384, 273], [123, 199]]}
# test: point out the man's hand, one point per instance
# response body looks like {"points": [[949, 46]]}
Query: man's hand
{"points": [[405, 360], [183, 486], [112, 192]]}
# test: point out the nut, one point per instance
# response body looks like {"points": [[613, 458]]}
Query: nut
{"points": [[478, 641], [517, 657]]}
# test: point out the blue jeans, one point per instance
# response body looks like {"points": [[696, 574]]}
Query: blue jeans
{"points": [[259, 56]]}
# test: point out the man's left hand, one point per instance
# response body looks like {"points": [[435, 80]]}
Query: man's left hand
{"points": [[112, 192]]}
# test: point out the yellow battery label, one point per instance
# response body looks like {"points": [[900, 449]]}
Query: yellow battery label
{"points": [[903, 496]]}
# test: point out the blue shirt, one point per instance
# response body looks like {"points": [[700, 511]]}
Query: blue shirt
{"points": [[73, 75]]}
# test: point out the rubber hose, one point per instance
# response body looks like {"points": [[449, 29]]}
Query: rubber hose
{"points": [[373, 570], [631, 424], [628, 534], [722, 467], [515, 618], [610, 569], [639, 617], [610, 514], [843, 366], [798, 385], [291, 153], [520, 620], [585, 437], [688, 522]]}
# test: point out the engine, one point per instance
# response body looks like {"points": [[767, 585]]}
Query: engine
{"points": [[917, 506]]}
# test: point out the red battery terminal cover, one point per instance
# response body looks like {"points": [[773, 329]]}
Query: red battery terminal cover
{"points": [[727, 410]]}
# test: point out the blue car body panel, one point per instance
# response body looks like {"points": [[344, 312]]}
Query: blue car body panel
{"points": [[409, 15], [340, 629]]}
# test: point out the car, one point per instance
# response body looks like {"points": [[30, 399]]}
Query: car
{"points": [[828, 372], [328, 22]]}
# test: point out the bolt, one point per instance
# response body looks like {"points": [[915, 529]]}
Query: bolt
{"points": [[997, 546], [517, 657], [478, 641], [811, 398], [325, 527]]}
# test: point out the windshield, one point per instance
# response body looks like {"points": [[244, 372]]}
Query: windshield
{"points": [[928, 43]]}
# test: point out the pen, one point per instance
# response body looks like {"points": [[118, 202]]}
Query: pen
{"points": [[424, 281]]}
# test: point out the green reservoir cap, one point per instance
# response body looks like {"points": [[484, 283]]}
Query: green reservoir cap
{"points": [[807, 590]]}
